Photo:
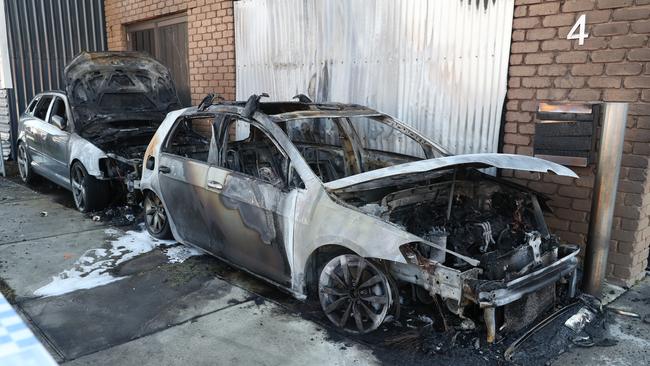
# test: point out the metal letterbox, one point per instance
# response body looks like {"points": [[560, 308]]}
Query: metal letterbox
{"points": [[564, 132]]}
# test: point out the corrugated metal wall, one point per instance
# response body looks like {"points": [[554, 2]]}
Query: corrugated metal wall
{"points": [[43, 36], [440, 66]]}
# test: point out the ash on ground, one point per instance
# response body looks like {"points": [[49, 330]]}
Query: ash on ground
{"points": [[419, 338], [119, 215]]}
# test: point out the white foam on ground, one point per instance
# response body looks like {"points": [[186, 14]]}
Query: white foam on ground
{"points": [[91, 269], [180, 253]]}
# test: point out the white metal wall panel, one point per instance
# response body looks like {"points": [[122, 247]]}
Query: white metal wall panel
{"points": [[440, 66]]}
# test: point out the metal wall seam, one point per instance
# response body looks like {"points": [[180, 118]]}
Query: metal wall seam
{"points": [[440, 66]]}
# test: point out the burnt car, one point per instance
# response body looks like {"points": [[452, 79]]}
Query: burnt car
{"points": [[91, 137], [350, 205]]}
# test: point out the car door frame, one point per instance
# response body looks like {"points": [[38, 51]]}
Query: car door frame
{"points": [[189, 172], [36, 134], [27, 122], [269, 220], [56, 153]]}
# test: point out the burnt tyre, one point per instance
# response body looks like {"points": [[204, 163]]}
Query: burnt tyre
{"points": [[354, 293], [90, 194], [24, 163], [155, 217]]}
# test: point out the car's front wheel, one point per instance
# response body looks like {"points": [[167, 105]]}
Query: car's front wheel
{"points": [[24, 163], [90, 194], [354, 293], [155, 217]]}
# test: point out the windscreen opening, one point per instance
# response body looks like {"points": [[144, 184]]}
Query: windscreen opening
{"points": [[337, 147]]}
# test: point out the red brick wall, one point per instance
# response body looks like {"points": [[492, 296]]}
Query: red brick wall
{"points": [[211, 34], [613, 65]]}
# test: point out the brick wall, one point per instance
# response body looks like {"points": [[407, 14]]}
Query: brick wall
{"points": [[210, 31], [613, 65]]}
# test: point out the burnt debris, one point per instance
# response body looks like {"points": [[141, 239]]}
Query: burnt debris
{"points": [[496, 224]]}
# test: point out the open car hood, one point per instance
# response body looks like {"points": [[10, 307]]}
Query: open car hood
{"points": [[501, 161], [118, 86]]}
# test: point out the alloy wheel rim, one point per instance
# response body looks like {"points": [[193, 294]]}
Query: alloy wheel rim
{"points": [[354, 294], [78, 188], [22, 162], [155, 214]]}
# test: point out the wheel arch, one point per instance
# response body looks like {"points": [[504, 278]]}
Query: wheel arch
{"points": [[72, 163], [25, 169], [172, 225], [148, 190], [317, 260], [22, 141], [21, 136], [87, 154]]}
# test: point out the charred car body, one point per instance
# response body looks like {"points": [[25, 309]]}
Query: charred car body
{"points": [[350, 203], [91, 137]]}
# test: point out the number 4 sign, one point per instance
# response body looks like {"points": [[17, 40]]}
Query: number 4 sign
{"points": [[580, 27]]}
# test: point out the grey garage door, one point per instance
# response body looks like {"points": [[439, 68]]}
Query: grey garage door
{"points": [[166, 40]]}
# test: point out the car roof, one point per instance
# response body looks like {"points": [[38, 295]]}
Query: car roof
{"points": [[289, 110], [55, 91]]}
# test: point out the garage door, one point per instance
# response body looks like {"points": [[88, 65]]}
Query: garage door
{"points": [[440, 66], [166, 40]]}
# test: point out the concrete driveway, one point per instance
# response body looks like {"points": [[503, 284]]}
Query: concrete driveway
{"points": [[163, 306], [96, 294]]}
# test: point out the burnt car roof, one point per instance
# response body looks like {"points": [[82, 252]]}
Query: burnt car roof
{"points": [[285, 111], [294, 110]]}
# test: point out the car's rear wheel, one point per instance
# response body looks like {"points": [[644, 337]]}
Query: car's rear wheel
{"points": [[90, 194], [24, 163], [354, 293], [155, 217]]}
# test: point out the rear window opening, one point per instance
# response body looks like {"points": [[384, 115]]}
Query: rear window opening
{"points": [[42, 107]]}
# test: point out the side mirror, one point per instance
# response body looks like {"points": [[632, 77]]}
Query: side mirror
{"points": [[59, 122]]}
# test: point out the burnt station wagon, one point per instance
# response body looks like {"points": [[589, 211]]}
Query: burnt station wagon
{"points": [[91, 136]]}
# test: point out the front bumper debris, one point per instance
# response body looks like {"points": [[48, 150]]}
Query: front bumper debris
{"points": [[460, 288], [518, 288], [528, 284]]}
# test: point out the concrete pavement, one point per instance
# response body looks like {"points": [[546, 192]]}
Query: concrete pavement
{"points": [[244, 334], [158, 312], [631, 334]]}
